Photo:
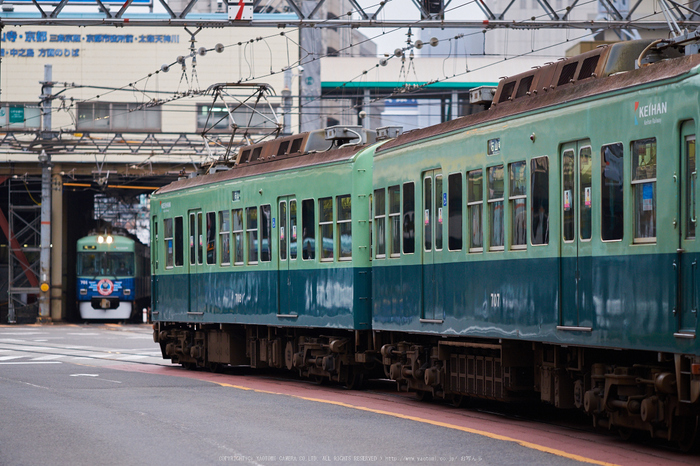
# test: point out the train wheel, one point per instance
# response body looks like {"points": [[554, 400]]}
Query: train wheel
{"points": [[215, 367], [459, 401], [690, 439], [190, 366], [355, 380]]}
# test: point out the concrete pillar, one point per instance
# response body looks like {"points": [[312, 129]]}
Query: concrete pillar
{"points": [[454, 105], [58, 238]]}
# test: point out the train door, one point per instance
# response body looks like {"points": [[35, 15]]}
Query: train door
{"points": [[434, 206], [287, 258], [195, 263], [686, 263], [576, 261]]}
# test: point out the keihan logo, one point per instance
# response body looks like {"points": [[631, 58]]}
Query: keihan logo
{"points": [[649, 110]]}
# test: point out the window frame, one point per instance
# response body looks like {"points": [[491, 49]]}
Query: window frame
{"points": [[252, 231], [502, 200], [531, 196], [241, 235], [379, 219], [341, 222], [223, 234], [470, 203], [394, 216], [639, 182], [450, 178], [311, 226], [328, 225], [406, 220], [210, 221], [512, 199], [178, 250], [265, 232], [169, 251], [602, 186]]}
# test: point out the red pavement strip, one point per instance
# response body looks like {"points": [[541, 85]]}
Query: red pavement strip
{"points": [[587, 447]]}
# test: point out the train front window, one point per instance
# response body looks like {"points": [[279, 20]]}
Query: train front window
{"points": [[106, 263], [644, 189]]}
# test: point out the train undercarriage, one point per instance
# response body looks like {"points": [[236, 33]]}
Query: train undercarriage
{"points": [[631, 391]]}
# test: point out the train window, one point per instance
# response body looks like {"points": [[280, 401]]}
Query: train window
{"points": [[539, 194], [193, 235], [427, 205], [475, 206], [440, 203], [179, 236], [283, 230], [569, 204], [409, 218], [644, 189], [379, 223], [168, 240], [495, 201], [225, 236], [395, 221], [265, 233], [585, 165], [293, 229], [154, 242], [344, 227], [251, 223], [454, 227], [612, 192], [517, 194], [200, 242], [308, 230], [325, 222], [691, 179], [211, 238], [238, 246]]}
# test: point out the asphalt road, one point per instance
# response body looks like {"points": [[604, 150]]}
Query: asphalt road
{"points": [[101, 395]]}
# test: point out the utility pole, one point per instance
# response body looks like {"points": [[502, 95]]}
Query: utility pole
{"points": [[310, 53], [45, 159]]}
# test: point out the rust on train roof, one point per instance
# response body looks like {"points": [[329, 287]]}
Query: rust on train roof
{"points": [[553, 95], [267, 165]]}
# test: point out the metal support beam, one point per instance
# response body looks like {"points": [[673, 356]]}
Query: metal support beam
{"points": [[45, 254]]}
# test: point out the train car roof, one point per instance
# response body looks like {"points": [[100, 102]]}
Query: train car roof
{"points": [[268, 165], [570, 92]]}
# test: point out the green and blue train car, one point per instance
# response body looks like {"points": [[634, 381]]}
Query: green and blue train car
{"points": [[113, 280], [543, 249]]}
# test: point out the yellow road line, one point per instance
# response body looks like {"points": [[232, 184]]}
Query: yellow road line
{"points": [[503, 438]]}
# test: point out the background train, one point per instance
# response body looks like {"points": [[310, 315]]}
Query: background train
{"points": [[544, 249], [113, 276]]}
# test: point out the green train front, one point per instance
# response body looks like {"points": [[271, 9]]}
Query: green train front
{"points": [[110, 276], [266, 251]]}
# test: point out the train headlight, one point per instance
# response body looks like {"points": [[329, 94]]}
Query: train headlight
{"points": [[127, 292], [83, 291], [100, 239], [109, 240]]}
